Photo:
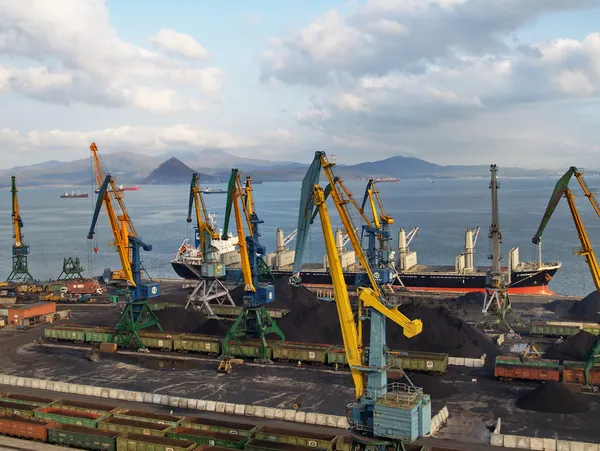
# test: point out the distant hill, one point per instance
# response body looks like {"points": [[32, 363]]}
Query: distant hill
{"points": [[175, 172], [209, 160]]}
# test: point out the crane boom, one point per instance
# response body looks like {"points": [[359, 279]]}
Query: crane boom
{"points": [[196, 201], [16, 217], [562, 189], [20, 251]]}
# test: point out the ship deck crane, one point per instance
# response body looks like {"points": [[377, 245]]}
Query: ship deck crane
{"points": [[254, 320], [137, 315], [99, 176], [381, 412], [20, 251], [562, 189], [210, 288]]}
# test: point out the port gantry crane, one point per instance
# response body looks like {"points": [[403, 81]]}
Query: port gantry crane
{"points": [[20, 251], [254, 320], [562, 189], [99, 176], [382, 414], [137, 315], [496, 303], [210, 288]]}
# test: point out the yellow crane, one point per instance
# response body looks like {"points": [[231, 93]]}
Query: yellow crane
{"points": [[20, 251], [562, 189], [381, 411], [137, 315]]}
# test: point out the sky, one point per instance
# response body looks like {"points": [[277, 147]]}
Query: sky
{"points": [[510, 82]]}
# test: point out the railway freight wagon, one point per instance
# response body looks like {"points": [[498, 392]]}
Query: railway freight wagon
{"points": [[82, 437], [573, 372], [562, 329], [21, 427], [508, 367]]}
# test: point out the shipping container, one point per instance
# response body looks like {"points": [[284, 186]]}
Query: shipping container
{"points": [[268, 445], [82, 437], [233, 428], [204, 344], [249, 349], [66, 416], [293, 437], [87, 407], [17, 408], [158, 340], [141, 415], [138, 442], [23, 427], [83, 287], [136, 427], [573, 372], [100, 335], [202, 437], [508, 367], [303, 352], [26, 399], [422, 361]]}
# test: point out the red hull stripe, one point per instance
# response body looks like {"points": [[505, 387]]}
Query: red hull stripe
{"points": [[542, 290]]}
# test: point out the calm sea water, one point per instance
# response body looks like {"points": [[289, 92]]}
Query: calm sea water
{"points": [[56, 228]]}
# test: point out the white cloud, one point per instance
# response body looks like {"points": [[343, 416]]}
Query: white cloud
{"points": [[73, 54], [181, 44], [278, 134], [399, 68], [151, 139]]}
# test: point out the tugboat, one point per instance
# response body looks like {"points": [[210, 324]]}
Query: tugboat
{"points": [[73, 195]]}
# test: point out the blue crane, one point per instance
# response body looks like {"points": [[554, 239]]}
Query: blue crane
{"points": [[137, 315]]}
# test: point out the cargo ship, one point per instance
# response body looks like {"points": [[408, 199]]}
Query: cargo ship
{"points": [[73, 195], [526, 278], [208, 190], [122, 188]]}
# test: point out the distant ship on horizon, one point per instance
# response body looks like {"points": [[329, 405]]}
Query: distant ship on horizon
{"points": [[74, 195], [122, 188]]}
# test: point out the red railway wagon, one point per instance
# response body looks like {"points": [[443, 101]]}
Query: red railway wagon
{"points": [[573, 373], [27, 428], [512, 368]]}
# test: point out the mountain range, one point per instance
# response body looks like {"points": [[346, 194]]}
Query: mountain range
{"points": [[215, 165]]}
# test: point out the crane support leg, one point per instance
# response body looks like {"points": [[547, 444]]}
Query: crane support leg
{"points": [[206, 292], [136, 317], [256, 323], [20, 270]]}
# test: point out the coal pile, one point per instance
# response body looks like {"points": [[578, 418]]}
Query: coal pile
{"points": [[587, 309], [553, 397], [472, 298], [573, 348], [191, 322]]}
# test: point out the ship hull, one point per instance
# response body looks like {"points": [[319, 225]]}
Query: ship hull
{"points": [[532, 283]]}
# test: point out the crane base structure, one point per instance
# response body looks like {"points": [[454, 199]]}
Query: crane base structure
{"points": [[207, 292], [72, 269], [136, 317], [20, 270], [497, 311]]}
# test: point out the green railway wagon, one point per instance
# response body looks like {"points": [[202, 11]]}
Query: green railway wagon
{"points": [[337, 356], [304, 352], [343, 443], [67, 333], [138, 442], [100, 335], [241, 429], [210, 448], [553, 330], [18, 408], [202, 437], [26, 399], [591, 328], [82, 437], [86, 407], [204, 344], [422, 361], [143, 416], [158, 340], [72, 417], [121, 425], [537, 363], [268, 445], [293, 437], [250, 349]]}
